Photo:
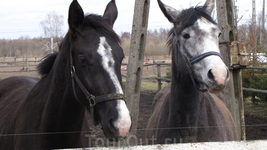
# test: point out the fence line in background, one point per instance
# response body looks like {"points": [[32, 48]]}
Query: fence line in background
{"points": [[26, 65], [159, 77], [158, 65], [23, 62]]}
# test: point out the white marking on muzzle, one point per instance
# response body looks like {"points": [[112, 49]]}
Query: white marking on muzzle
{"points": [[215, 64], [123, 123]]}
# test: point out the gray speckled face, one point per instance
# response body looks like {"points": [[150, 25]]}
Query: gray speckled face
{"points": [[200, 38]]}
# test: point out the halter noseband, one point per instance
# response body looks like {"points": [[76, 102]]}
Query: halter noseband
{"points": [[93, 100], [196, 59]]}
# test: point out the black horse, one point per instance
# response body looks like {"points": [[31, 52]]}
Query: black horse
{"points": [[192, 108], [84, 75]]}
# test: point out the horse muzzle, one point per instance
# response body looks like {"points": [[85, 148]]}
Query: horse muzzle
{"points": [[216, 80]]}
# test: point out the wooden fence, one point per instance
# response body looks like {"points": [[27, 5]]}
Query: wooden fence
{"points": [[158, 65], [16, 60], [23, 63]]}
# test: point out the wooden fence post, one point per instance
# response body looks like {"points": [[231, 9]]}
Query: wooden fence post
{"points": [[159, 75], [136, 60], [233, 91]]}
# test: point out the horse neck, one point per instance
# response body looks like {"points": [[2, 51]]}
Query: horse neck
{"points": [[185, 97], [62, 111]]}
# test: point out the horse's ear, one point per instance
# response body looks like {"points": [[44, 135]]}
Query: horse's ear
{"points": [[170, 13], [111, 13], [209, 6], [76, 15]]}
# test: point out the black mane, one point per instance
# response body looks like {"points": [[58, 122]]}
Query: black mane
{"points": [[47, 63]]}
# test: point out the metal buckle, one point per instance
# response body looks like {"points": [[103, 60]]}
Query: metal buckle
{"points": [[72, 70], [92, 100]]}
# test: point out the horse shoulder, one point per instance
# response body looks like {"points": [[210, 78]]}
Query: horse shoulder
{"points": [[225, 111], [161, 96], [228, 123]]}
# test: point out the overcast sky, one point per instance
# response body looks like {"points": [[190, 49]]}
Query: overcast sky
{"points": [[22, 17]]}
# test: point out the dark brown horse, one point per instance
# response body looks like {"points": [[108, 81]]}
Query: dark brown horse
{"points": [[85, 75], [192, 108]]}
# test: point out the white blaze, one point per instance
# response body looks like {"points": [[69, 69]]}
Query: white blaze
{"points": [[124, 120], [213, 63]]}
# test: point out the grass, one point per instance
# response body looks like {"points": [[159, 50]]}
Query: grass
{"points": [[149, 84]]}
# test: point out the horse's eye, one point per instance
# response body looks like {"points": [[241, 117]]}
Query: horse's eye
{"points": [[186, 36], [219, 34], [82, 60]]}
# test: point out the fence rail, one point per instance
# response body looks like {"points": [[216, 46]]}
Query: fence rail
{"points": [[22, 64], [159, 77], [20, 59], [255, 90]]}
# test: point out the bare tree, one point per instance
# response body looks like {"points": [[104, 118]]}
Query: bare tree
{"points": [[52, 25]]}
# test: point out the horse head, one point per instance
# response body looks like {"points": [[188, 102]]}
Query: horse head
{"points": [[95, 59], [195, 36]]}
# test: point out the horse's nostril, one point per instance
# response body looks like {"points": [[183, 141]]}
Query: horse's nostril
{"points": [[210, 75]]}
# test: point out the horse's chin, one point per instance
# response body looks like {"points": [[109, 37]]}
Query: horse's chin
{"points": [[215, 90], [110, 132]]}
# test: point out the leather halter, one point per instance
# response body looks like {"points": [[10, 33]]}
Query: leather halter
{"points": [[93, 100], [196, 59]]}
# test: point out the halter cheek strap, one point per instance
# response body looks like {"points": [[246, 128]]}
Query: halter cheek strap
{"points": [[196, 59], [93, 100]]}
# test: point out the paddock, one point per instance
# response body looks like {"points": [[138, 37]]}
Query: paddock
{"points": [[257, 144]]}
